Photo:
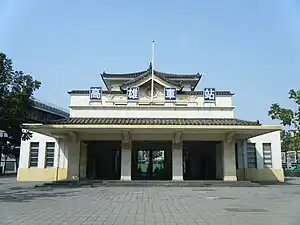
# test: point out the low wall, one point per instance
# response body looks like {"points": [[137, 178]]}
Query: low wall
{"points": [[41, 174], [261, 174]]}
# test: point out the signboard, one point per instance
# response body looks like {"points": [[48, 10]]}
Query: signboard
{"points": [[95, 93], [133, 93], [209, 94], [170, 93]]}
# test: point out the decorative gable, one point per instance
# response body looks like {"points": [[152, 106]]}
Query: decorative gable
{"points": [[146, 77], [123, 81]]}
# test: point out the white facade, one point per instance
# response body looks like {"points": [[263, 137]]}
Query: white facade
{"points": [[198, 120]]}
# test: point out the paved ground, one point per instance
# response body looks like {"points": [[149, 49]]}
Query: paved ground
{"points": [[21, 203]]}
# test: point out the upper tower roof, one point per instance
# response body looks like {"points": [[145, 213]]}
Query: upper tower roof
{"points": [[128, 79]]}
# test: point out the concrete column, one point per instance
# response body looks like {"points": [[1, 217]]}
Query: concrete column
{"points": [[177, 161], [73, 160], [83, 160], [229, 169], [126, 161], [219, 164]]}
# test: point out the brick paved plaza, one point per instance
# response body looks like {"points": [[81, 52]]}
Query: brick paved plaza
{"points": [[21, 203]]}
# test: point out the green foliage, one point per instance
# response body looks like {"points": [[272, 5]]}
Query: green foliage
{"points": [[290, 119], [16, 91]]}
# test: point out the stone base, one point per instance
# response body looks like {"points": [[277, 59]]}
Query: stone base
{"points": [[41, 174], [261, 174], [230, 178]]}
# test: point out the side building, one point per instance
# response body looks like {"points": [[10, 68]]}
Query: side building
{"points": [[153, 126], [41, 112]]}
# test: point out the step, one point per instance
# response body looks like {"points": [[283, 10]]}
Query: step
{"points": [[139, 183]]}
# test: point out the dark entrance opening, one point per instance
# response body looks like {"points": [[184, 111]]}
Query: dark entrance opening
{"points": [[199, 160], [104, 160], [151, 160]]}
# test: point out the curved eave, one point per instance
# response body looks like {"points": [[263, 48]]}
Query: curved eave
{"points": [[122, 75], [200, 76]]}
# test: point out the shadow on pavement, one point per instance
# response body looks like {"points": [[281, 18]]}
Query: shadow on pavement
{"points": [[27, 195], [287, 181]]}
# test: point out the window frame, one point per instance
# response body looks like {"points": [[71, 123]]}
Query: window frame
{"points": [[31, 147], [254, 162], [51, 157], [266, 164]]}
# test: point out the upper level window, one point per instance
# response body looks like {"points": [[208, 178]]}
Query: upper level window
{"points": [[34, 154]]}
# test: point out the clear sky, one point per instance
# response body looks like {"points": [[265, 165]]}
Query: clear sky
{"points": [[251, 48]]}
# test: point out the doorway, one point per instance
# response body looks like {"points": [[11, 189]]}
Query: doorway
{"points": [[151, 160], [104, 160], [199, 160]]}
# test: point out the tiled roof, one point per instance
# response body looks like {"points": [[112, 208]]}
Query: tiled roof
{"points": [[170, 75], [218, 93], [166, 75], [156, 121], [136, 74], [122, 75]]}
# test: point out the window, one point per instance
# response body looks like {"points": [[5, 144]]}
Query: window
{"points": [[34, 154], [251, 155], [49, 160], [267, 154]]}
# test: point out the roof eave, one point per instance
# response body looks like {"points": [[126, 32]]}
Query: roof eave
{"points": [[200, 76], [265, 128], [104, 81]]}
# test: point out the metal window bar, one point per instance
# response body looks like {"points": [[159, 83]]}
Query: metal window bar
{"points": [[267, 155], [251, 155], [50, 149], [34, 154]]}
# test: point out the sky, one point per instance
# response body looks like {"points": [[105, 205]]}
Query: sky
{"points": [[249, 47]]}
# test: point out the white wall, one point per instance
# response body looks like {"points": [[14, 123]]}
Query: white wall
{"points": [[146, 112], [187, 106], [274, 139], [112, 99], [42, 139]]}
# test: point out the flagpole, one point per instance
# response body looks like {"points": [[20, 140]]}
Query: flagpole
{"points": [[152, 72]]}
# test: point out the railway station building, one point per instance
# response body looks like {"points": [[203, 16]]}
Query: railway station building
{"points": [[151, 125]]}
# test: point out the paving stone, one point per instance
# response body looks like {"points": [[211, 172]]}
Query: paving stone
{"points": [[21, 204]]}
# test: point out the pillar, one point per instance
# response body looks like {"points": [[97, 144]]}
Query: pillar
{"points": [[83, 161], [229, 168], [126, 157], [219, 164], [177, 161]]}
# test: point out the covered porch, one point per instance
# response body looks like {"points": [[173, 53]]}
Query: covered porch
{"points": [[184, 149]]}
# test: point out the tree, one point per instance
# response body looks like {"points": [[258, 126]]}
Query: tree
{"points": [[291, 120], [16, 92]]}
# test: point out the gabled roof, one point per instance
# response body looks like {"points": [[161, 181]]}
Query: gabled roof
{"points": [[136, 76]]}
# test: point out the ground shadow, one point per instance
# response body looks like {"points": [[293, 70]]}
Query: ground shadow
{"points": [[30, 194]]}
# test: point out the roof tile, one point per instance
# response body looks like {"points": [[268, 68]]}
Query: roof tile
{"points": [[156, 121]]}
